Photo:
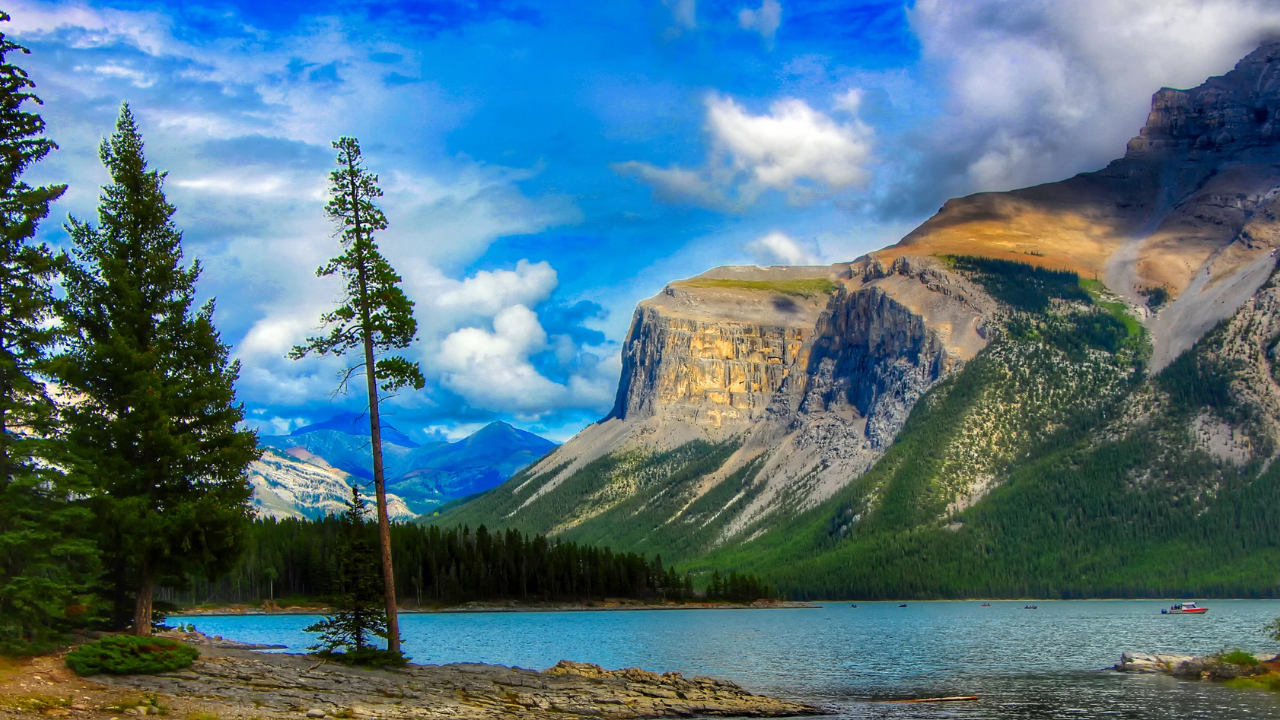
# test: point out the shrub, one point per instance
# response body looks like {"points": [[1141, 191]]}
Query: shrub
{"points": [[1237, 657], [131, 655], [366, 657]]}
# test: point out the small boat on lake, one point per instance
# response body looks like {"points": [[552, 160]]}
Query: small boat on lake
{"points": [[1029, 607], [903, 605], [1185, 608], [986, 604]]}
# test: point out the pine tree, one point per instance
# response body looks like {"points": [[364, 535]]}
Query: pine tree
{"points": [[357, 596], [375, 316], [154, 424], [42, 562]]}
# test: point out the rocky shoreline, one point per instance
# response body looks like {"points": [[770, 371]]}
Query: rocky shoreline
{"points": [[238, 683], [1210, 667]]}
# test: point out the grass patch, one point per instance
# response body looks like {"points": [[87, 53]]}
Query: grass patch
{"points": [[131, 655], [1100, 295], [807, 287], [33, 702], [1237, 657]]}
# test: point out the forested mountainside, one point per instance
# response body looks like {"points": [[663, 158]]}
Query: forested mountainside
{"points": [[1062, 390]]}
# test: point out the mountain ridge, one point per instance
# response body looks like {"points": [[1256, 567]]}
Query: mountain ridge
{"points": [[825, 422], [420, 476]]}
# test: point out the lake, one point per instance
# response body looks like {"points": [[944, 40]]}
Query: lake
{"points": [[1043, 663]]}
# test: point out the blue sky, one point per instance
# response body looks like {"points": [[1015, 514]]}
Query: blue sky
{"points": [[547, 165]]}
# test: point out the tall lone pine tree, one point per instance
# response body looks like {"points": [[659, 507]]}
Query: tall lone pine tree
{"points": [[42, 563], [155, 420], [375, 316]]}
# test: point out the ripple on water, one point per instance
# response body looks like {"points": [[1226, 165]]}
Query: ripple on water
{"points": [[1024, 664]]}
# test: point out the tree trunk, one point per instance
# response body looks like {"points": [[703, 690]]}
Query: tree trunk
{"points": [[380, 488], [142, 608]]}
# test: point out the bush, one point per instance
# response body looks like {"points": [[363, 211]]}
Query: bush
{"points": [[366, 657], [1237, 657], [131, 655]]}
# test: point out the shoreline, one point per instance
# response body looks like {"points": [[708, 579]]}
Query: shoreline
{"points": [[230, 681], [245, 610]]}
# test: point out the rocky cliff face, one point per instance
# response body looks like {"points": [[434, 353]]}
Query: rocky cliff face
{"points": [[750, 395], [1191, 210], [801, 376]]}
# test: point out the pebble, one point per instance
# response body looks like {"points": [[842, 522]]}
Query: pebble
{"points": [[315, 713]]}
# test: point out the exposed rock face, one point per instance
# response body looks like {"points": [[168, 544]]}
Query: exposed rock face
{"points": [[809, 372], [784, 385], [243, 684], [297, 484], [1191, 208]]}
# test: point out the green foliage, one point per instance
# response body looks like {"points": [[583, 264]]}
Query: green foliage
{"points": [[436, 566], [737, 588], [1090, 501], [43, 561], [1273, 629], [358, 615], [1236, 657], [131, 655], [375, 314], [1022, 286], [155, 430], [806, 287], [623, 501], [1156, 296]]}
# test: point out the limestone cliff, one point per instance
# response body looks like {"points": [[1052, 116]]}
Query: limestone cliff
{"points": [[802, 375], [750, 396]]}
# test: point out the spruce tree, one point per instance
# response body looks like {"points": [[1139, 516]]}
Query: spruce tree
{"points": [[42, 561], [375, 316], [155, 422], [357, 592]]}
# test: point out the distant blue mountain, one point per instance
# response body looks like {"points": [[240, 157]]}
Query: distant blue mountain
{"points": [[425, 475], [358, 424]]}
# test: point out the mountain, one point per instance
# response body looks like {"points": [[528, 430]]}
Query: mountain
{"points": [[1065, 390], [423, 476], [296, 484]]}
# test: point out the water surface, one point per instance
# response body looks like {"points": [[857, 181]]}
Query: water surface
{"points": [[1043, 663]]}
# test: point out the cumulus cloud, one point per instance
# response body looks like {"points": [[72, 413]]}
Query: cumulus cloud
{"points": [[493, 369], [793, 149], [1039, 89], [235, 117], [488, 292], [778, 248], [765, 20]]}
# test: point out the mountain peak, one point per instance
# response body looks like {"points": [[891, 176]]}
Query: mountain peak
{"points": [[357, 424]]}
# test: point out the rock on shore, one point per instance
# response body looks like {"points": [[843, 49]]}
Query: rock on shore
{"points": [[245, 683], [1187, 666]]}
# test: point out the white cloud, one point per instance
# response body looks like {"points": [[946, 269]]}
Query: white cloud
{"points": [[488, 292], [778, 248], [792, 144], [492, 369], [1040, 89], [793, 149], [764, 20]]}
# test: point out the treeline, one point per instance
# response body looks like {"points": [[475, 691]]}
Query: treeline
{"points": [[122, 451], [293, 559]]}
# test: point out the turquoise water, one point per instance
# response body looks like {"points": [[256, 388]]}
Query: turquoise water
{"points": [[1044, 663]]}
